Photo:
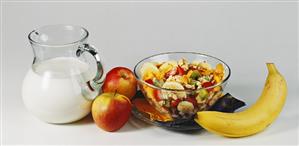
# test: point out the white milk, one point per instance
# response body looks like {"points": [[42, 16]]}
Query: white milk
{"points": [[56, 91]]}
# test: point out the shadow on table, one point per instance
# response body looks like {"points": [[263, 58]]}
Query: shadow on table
{"points": [[189, 132], [134, 124], [85, 121], [283, 124]]}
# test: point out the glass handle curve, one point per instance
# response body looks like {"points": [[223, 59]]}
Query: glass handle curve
{"points": [[96, 82]]}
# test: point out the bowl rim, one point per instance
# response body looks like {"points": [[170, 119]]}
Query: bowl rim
{"points": [[179, 90]]}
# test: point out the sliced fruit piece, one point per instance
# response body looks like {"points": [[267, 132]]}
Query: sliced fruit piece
{"points": [[180, 71], [192, 100], [157, 95], [202, 94], [175, 86], [152, 94], [148, 70], [143, 106], [167, 66], [218, 73], [189, 73], [185, 107], [195, 74], [219, 68], [196, 62], [174, 103], [150, 81], [205, 65], [158, 83], [207, 84], [172, 72]]}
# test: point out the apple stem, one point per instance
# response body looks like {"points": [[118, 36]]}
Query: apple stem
{"points": [[115, 92]]}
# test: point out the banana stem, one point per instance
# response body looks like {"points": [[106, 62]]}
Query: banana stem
{"points": [[271, 68]]}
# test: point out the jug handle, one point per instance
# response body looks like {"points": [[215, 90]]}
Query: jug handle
{"points": [[96, 82]]}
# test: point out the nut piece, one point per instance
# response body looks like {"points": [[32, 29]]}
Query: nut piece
{"points": [[185, 107]]}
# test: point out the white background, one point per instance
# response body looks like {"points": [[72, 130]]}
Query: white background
{"points": [[245, 35]]}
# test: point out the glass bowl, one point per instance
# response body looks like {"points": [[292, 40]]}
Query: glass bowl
{"points": [[153, 93]]}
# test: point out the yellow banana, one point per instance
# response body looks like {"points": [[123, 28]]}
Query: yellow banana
{"points": [[254, 119]]}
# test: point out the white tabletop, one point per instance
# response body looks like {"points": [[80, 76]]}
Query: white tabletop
{"points": [[245, 35]]}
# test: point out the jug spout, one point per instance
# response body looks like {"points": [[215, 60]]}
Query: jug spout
{"points": [[57, 41]]}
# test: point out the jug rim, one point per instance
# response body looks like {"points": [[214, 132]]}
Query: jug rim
{"points": [[84, 37]]}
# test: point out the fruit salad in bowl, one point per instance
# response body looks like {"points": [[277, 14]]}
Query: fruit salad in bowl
{"points": [[179, 84]]}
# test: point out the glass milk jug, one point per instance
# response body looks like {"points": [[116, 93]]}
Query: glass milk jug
{"points": [[63, 79]]}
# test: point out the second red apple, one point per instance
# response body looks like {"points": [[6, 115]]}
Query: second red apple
{"points": [[122, 80]]}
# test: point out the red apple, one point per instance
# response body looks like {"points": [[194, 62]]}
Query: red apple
{"points": [[121, 80], [111, 111]]}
